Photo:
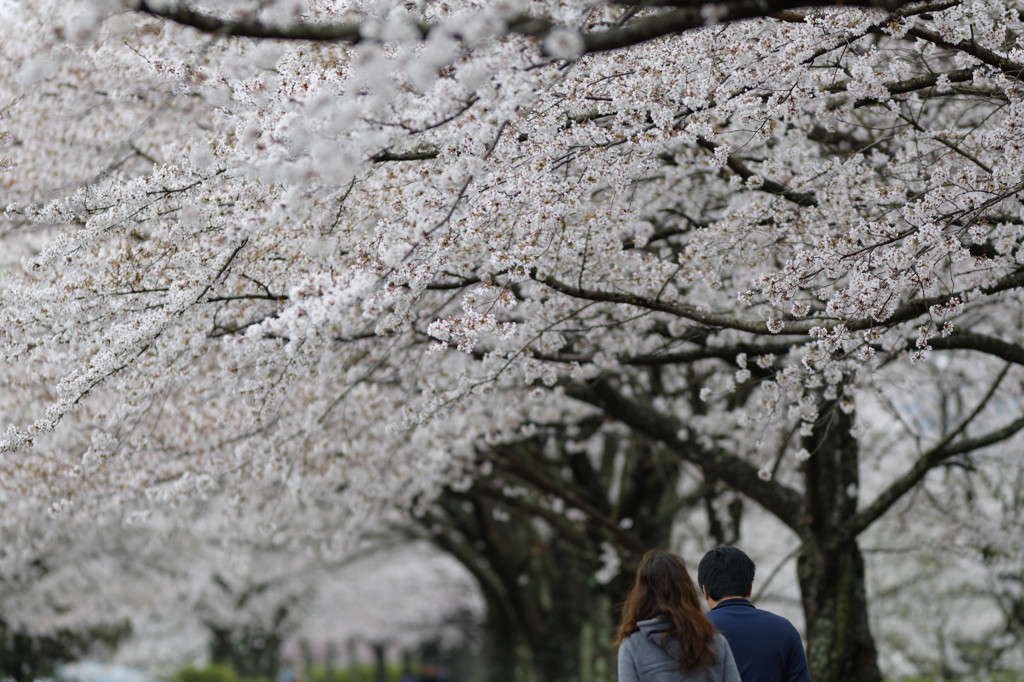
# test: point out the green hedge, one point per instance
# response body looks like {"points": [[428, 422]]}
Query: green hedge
{"points": [[223, 673], [213, 673], [1001, 676], [367, 673]]}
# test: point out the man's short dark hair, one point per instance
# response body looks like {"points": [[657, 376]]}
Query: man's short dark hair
{"points": [[726, 571]]}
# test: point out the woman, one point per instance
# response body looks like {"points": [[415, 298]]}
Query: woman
{"points": [[664, 636]]}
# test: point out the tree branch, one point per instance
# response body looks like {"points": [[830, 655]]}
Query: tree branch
{"points": [[694, 14], [676, 309], [990, 345], [727, 353], [993, 59], [910, 85], [903, 313], [767, 184], [781, 500], [688, 15], [941, 452], [503, 456], [385, 156], [182, 14]]}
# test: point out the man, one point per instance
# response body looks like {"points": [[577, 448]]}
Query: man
{"points": [[767, 647]]}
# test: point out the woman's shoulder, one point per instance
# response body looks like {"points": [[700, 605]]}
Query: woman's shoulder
{"points": [[630, 639], [628, 647]]}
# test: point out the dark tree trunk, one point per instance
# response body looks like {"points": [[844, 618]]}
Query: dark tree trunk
{"points": [[330, 660], [841, 648], [379, 661], [831, 568], [500, 644], [250, 651], [306, 647], [354, 673]]}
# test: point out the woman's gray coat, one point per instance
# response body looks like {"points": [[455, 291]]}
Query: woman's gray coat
{"points": [[642, 658]]}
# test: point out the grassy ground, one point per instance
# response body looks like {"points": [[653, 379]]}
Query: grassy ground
{"points": [[220, 673]]}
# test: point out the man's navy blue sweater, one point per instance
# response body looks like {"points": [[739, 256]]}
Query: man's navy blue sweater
{"points": [[767, 647]]}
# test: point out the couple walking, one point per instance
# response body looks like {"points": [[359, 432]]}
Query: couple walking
{"points": [[666, 637]]}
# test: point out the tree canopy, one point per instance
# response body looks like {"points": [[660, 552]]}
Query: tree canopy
{"points": [[315, 260]]}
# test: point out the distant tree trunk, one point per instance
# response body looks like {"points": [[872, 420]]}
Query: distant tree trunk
{"points": [[406, 665], [380, 661], [501, 642], [353, 661], [307, 660], [536, 554], [571, 590], [841, 647], [251, 651], [20, 657], [330, 659]]}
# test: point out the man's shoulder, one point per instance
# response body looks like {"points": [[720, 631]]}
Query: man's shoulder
{"points": [[778, 622], [746, 613], [763, 613]]}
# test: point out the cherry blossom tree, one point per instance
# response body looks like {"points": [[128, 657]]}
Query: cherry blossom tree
{"points": [[192, 587], [334, 257]]}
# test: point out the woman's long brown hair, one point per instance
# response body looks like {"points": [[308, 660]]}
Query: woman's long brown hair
{"points": [[664, 589]]}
